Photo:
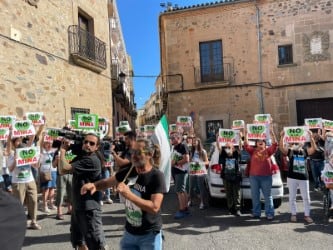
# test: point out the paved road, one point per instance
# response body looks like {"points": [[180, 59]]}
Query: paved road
{"points": [[212, 228]]}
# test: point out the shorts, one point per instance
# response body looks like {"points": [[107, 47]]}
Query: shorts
{"points": [[50, 184], [180, 182]]}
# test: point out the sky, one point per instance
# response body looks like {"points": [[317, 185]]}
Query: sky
{"points": [[139, 23]]}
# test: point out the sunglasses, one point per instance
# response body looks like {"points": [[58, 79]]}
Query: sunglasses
{"points": [[139, 152], [91, 143]]}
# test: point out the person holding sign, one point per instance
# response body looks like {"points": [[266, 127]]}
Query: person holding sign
{"points": [[327, 176], [23, 183], [179, 167], [231, 175], [198, 172], [48, 174], [143, 200], [297, 176], [317, 158], [261, 174]]}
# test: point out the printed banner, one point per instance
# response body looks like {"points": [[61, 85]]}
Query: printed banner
{"points": [[262, 119], [23, 128], [6, 121], [173, 128], [197, 168], [52, 134], [327, 124], [313, 123], [297, 134], [228, 135], [72, 123], [25, 156], [103, 126], [4, 133], [238, 124], [184, 121], [35, 117], [149, 130], [257, 131], [86, 121]]}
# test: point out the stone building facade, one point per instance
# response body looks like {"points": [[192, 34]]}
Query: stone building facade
{"points": [[230, 60], [55, 58]]}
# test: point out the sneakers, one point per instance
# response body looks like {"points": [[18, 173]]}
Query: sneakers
{"points": [[101, 203], [108, 201], [238, 213], [255, 216], [293, 218], [270, 217], [46, 210], [308, 219], [52, 207], [202, 206], [181, 214], [35, 226]]}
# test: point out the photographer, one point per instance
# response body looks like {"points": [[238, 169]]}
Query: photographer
{"points": [[124, 159], [86, 222]]}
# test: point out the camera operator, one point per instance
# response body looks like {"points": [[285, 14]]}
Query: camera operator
{"points": [[86, 220], [124, 159]]}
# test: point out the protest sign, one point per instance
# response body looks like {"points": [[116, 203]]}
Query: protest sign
{"points": [[35, 117], [173, 128], [238, 124], [313, 123], [6, 121], [257, 131], [149, 130], [23, 128], [184, 122], [197, 168], [228, 135], [262, 119], [327, 124], [86, 121], [296, 134], [4, 133], [25, 156]]}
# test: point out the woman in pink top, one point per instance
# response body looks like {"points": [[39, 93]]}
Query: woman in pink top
{"points": [[261, 174]]}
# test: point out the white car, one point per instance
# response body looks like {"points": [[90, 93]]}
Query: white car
{"points": [[216, 187]]}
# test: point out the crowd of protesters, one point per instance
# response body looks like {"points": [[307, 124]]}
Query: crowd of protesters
{"points": [[56, 168]]}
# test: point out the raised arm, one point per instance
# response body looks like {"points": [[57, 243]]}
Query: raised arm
{"points": [[282, 148]]}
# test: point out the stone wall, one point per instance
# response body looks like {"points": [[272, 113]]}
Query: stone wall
{"points": [[281, 22], [37, 72]]}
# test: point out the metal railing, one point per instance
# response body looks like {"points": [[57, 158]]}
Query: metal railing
{"points": [[224, 74], [86, 45]]}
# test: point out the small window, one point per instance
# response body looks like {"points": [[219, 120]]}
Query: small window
{"points": [[285, 54], [211, 61], [80, 111]]}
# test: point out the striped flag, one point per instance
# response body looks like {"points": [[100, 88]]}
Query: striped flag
{"points": [[161, 137]]}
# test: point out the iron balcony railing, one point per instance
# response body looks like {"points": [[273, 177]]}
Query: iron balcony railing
{"points": [[214, 75], [86, 46]]}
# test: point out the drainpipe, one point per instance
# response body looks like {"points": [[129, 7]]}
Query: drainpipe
{"points": [[260, 88]]}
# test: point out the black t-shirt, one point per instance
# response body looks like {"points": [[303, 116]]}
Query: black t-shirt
{"points": [[297, 165], [230, 168], [87, 168], [139, 222], [180, 149], [319, 154]]}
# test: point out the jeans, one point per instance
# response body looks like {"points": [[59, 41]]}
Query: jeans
{"points": [[199, 180], [263, 183], [105, 175], [316, 167], [150, 241]]}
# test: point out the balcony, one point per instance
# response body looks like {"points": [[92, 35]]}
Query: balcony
{"points": [[213, 76], [86, 49]]}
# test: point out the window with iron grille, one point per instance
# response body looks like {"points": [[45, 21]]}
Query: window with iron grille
{"points": [[211, 61], [285, 54], [80, 111]]}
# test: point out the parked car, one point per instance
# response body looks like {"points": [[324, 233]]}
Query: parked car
{"points": [[216, 187]]}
